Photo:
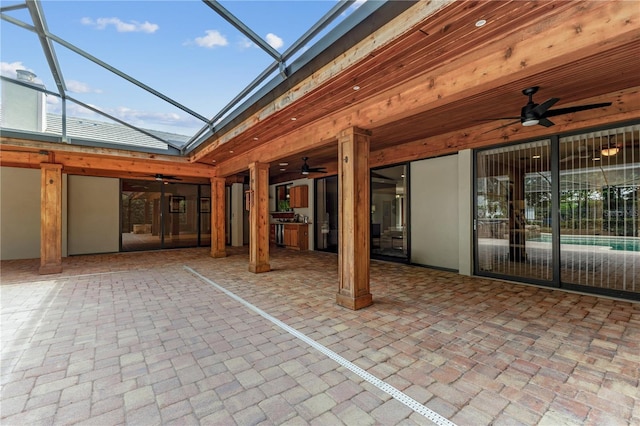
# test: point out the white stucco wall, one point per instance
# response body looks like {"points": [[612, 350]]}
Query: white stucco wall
{"points": [[434, 212], [20, 213], [94, 215]]}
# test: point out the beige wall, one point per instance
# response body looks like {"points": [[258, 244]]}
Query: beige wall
{"points": [[434, 212], [94, 215], [20, 213]]}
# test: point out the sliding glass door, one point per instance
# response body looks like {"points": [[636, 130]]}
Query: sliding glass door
{"points": [[513, 210], [326, 202], [599, 226], [158, 215], [389, 213], [562, 212]]}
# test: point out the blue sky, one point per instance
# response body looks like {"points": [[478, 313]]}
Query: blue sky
{"points": [[181, 48]]}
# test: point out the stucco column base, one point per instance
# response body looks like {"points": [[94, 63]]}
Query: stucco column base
{"points": [[259, 268], [354, 303]]}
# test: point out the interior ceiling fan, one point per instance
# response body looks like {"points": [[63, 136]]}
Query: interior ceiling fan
{"points": [[162, 178], [580, 152], [533, 113], [306, 169]]}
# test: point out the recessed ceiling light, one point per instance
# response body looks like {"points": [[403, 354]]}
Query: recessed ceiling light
{"points": [[481, 23], [596, 158], [402, 175], [283, 164], [356, 87], [536, 156], [230, 151], [213, 161], [282, 170], [255, 139], [293, 119]]}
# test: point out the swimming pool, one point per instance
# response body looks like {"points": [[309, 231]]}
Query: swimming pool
{"points": [[616, 243]]}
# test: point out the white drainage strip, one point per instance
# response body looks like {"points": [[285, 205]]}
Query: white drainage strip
{"points": [[383, 386]]}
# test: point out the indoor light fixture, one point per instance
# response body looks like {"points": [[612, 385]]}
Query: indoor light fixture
{"points": [[611, 148], [481, 23], [530, 122], [535, 157]]}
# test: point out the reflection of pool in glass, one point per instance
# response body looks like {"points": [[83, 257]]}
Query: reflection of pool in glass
{"points": [[616, 243]]}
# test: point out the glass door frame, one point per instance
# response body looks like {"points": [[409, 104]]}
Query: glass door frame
{"points": [[406, 207], [556, 281]]}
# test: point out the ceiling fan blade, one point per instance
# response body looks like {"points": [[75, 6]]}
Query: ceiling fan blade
{"points": [[499, 118], [161, 177], [545, 122], [543, 107], [577, 108]]}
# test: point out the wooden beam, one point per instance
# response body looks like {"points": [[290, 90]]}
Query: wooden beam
{"points": [[516, 58], [101, 165], [218, 197], [50, 218], [259, 217], [354, 219], [277, 149], [361, 51], [625, 108], [583, 30]]}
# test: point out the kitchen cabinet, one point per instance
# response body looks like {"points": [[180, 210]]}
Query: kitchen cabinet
{"points": [[299, 196], [290, 235]]}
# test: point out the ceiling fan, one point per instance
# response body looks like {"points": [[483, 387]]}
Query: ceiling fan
{"points": [[580, 153], [306, 169], [162, 178], [533, 113]]}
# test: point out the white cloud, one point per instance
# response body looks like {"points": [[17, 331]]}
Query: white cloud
{"points": [[212, 39], [80, 87], [245, 43], [121, 26], [274, 41]]}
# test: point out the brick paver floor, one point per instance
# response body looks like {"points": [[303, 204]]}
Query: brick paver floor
{"points": [[136, 338]]}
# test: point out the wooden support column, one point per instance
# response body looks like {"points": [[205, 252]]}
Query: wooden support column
{"points": [[218, 217], [50, 218], [259, 217], [354, 219]]}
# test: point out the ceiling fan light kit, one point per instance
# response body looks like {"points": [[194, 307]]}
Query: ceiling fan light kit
{"points": [[610, 151]]}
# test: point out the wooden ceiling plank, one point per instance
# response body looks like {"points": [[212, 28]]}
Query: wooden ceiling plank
{"points": [[454, 35], [517, 58], [480, 136]]}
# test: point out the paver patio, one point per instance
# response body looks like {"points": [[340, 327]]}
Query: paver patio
{"points": [[136, 338]]}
